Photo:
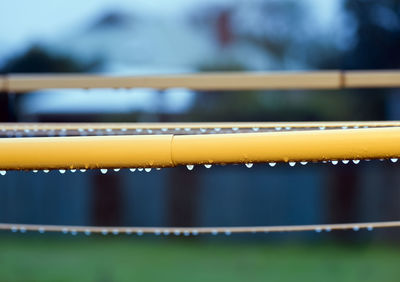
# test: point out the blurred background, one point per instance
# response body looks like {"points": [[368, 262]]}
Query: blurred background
{"points": [[122, 37]]}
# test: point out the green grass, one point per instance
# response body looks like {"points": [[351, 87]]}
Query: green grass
{"points": [[52, 258]]}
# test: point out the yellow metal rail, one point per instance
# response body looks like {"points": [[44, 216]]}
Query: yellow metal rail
{"points": [[173, 150], [208, 81]]}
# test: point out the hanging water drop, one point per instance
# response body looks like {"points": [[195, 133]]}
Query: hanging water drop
{"points": [[255, 128], [164, 129], [157, 232], [3, 172], [235, 128], [214, 232], [370, 228], [117, 169], [73, 170], [356, 161], [46, 171], [190, 167], [115, 232], [335, 162], [356, 228], [177, 232], [132, 169], [187, 129], [318, 230], [74, 232], [393, 160], [22, 229], [272, 164], [124, 129], [140, 169], [292, 163], [278, 128], [345, 161], [128, 232], [322, 127], [303, 163], [41, 230], [288, 128], [195, 232], [158, 168], [228, 232], [249, 165], [207, 166], [217, 129], [103, 170], [139, 232], [147, 169], [62, 171], [328, 229], [186, 233], [166, 232], [82, 170], [35, 171], [14, 229], [139, 130], [202, 130], [104, 232], [64, 230]]}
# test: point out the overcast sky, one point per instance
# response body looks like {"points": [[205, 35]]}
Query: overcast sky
{"points": [[25, 21]]}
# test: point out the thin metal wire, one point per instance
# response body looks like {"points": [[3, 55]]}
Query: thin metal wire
{"points": [[198, 230]]}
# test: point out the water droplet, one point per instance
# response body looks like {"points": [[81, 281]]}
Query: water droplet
{"points": [[62, 171], [103, 170], [249, 165], [278, 128], [177, 129], [356, 161], [35, 171], [190, 167], [139, 232], [128, 231], [393, 160], [164, 129], [3, 172], [90, 129], [318, 230], [41, 230], [14, 229], [292, 163], [166, 232], [195, 232], [157, 232], [214, 232], [124, 129], [344, 127], [356, 228], [207, 166], [132, 169], [303, 163], [202, 130], [235, 128], [139, 130], [115, 232], [22, 229], [335, 162], [140, 169], [64, 230], [109, 129], [82, 170], [117, 169], [149, 131], [74, 232], [46, 171], [187, 129], [272, 164], [328, 229], [217, 129], [186, 233], [228, 232], [177, 232], [87, 232], [370, 228], [345, 161], [72, 170], [104, 232], [158, 168], [255, 128], [288, 128], [147, 169], [322, 127]]}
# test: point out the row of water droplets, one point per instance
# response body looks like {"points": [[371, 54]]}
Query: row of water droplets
{"points": [[191, 167], [292, 164], [30, 132]]}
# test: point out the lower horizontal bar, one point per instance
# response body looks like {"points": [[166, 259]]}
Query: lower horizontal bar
{"points": [[173, 150]]}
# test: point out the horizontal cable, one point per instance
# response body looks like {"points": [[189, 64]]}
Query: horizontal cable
{"points": [[15, 83], [195, 230], [167, 150]]}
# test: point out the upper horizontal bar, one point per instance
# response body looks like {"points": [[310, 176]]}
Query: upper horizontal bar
{"points": [[16, 83]]}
